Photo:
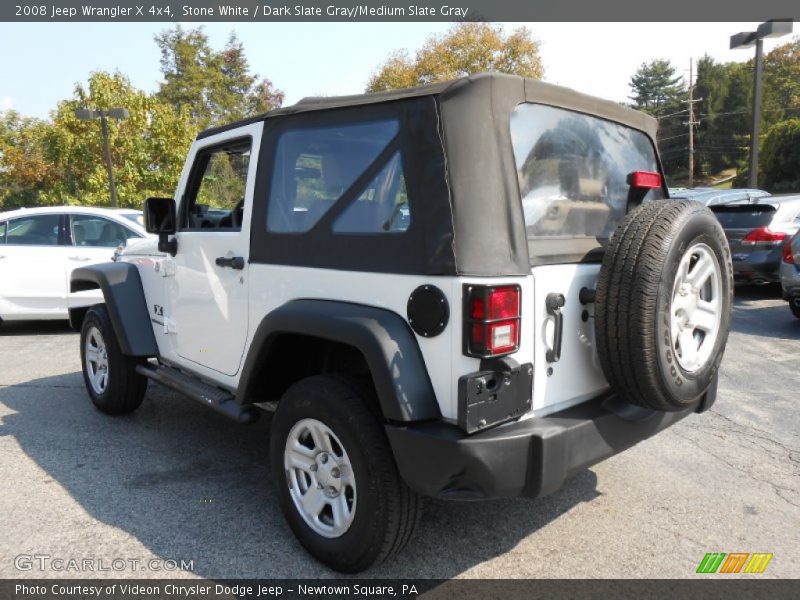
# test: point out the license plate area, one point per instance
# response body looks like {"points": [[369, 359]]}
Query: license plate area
{"points": [[493, 396]]}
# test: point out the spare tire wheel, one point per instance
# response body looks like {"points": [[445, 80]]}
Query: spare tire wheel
{"points": [[663, 304]]}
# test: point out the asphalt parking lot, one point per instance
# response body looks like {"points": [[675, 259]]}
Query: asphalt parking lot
{"points": [[177, 481]]}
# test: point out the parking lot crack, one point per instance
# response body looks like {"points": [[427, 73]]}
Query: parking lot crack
{"points": [[779, 490]]}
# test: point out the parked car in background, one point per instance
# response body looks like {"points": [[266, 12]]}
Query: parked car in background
{"points": [[712, 197], [39, 248], [757, 233], [790, 274]]}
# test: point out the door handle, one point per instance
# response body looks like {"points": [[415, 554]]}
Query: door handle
{"points": [[79, 258], [234, 262], [553, 303]]}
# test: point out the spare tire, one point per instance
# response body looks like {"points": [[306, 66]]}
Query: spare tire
{"points": [[663, 304]]}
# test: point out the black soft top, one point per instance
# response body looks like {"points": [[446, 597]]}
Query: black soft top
{"points": [[479, 227], [503, 85]]}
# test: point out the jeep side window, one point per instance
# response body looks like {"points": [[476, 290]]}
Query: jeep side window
{"points": [[315, 166], [215, 195], [382, 207], [572, 170]]}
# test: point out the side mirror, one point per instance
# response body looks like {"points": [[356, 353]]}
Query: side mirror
{"points": [[159, 218]]}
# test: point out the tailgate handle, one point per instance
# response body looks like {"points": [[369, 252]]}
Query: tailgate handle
{"points": [[554, 302]]}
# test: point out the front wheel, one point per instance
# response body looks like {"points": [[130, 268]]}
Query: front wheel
{"points": [[110, 376], [336, 478]]}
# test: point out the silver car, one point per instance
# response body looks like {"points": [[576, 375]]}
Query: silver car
{"points": [[713, 197], [790, 274]]}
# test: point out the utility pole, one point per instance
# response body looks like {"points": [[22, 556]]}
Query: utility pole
{"points": [[755, 128], [85, 114], [748, 39], [691, 122], [112, 186]]}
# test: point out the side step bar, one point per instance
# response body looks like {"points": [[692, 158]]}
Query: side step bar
{"points": [[220, 400]]}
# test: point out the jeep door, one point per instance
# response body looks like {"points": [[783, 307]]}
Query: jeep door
{"points": [[208, 290]]}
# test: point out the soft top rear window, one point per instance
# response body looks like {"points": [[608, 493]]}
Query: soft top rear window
{"points": [[573, 179]]}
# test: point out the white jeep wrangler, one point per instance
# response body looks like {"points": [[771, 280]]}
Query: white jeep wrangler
{"points": [[466, 290]]}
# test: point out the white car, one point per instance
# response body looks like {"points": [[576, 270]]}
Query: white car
{"points": [[39, 248]]}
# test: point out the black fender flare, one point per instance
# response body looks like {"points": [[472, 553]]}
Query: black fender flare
{"points": [[125, 301], [404, 389]]}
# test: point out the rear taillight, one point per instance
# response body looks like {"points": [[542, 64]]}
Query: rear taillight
{"points": [[764, 235], [645, 179], [491, 320], [788, 254]]}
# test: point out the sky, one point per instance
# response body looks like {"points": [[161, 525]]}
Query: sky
{"points": [[43, 61]]}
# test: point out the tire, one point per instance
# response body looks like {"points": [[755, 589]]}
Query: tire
{"points": [[384, 511], [794, 306], [123, 389], [646, 315]]}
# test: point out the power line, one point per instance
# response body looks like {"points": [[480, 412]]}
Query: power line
{"points": [[680, 112]]}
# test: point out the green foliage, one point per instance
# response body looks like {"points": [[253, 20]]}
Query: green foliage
{"points": [[216, 86], [659, 91], [780, 157], [467, 48], [656, 88], [725, 93], [224, 180], [25, 170], [147, 149], [60, 161], [726, 109]]}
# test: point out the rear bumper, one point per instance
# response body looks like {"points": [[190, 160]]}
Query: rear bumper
{"points": [[758, 266], [528, 458]]}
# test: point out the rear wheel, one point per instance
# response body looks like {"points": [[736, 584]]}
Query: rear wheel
{"points": [[663, 304], [110, 376], [337, 482]]}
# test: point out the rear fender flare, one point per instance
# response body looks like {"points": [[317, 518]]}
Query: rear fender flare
{"points": [[384, 338]]}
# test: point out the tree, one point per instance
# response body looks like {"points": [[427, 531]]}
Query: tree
{"points": [[467, 48], [25, 170], [216, 87], [147, 149], [782, 82], [723, 110], [659, 91], [780, 158], [656, 87]]}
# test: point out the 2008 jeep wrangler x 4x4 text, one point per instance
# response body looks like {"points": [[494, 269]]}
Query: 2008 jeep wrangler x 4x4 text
{"points": [[465, 290]]}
